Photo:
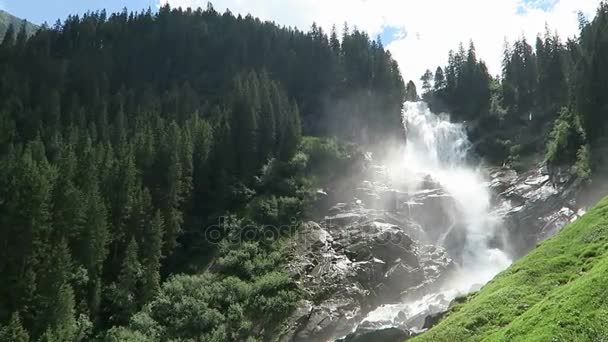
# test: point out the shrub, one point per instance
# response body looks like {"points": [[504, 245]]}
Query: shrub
{"points": [[325, 156], [264, 210]]}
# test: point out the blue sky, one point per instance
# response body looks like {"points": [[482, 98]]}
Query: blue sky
{"points": [[39, 11]]}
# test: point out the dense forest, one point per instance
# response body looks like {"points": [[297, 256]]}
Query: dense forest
{"points": [[145, 157], [550, 96]]}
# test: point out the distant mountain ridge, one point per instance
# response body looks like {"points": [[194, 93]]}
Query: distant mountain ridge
{"points": [[6, 19]]}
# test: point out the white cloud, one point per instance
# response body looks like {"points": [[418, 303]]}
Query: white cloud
{"points": [[433, 27]]}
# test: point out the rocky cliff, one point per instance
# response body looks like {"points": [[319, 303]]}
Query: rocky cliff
{"points": [[385, 245]]}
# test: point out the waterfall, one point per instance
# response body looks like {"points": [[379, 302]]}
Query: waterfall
{"points": [[439, 149]]}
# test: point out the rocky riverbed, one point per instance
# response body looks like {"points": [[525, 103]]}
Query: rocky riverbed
{"points": [[384, 246]]}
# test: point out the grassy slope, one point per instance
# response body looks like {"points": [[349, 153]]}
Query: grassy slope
{"points": [[559, 292]]}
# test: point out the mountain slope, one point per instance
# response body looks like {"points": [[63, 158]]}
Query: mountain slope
{"points": [[6, 19], [556, 293]]}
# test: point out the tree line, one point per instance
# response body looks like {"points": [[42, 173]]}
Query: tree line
{"points": [[552, 87]]}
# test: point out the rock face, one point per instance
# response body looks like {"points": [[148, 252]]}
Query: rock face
{"points": [[375, 332], [537, 205], [387, 245], [362, 255], [350, 266]]}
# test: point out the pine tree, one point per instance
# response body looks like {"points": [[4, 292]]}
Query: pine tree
{"points": [[95, 242], [151, 252], [439, 80], [334, 42], [411, 94], [63, 325], [244, 124], [268, 129], [125, 290], [426, 81], [14, 331]]}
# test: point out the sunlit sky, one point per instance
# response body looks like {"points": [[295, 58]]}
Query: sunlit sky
{"points": [[419, 33]]}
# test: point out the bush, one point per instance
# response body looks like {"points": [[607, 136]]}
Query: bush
{"points": [[264, 210], [211, 308], [326, 156]]}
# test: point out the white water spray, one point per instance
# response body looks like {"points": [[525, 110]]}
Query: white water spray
{"points": [[438, 148]]}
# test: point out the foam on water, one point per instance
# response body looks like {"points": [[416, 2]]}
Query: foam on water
{"points": [[438, 148]]}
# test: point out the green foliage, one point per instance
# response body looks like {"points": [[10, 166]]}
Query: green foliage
{"points": [[565, 139], [14, 331], [583, 163], [212, 308], [123, 139], [462, 87], [325, 156], [123, 293], [553, 294], [526, 103]]}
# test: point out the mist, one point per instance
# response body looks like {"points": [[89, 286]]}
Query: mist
{"points": [[437, 155]]}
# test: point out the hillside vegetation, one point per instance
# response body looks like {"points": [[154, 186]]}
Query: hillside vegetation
{"points": [[7, 20], [548, 104], [556, 293], [152, 163]]}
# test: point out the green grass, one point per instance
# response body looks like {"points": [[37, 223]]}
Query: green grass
{"points": [[558, 292]]}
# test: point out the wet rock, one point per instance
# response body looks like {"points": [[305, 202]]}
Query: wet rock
{"points": [[403, 276], [352, 263], [343, 219], [538, 204], [333, 318], [370, 272], [337, 209], [432, 320], [375, 332]]}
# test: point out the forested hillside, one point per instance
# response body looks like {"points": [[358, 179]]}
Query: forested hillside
{"points": [[127, 139], [8, 21], [549, 97]]}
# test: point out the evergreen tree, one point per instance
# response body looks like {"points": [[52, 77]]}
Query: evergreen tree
{"points": [[411, 94], [121, 134], [426, 81], [14, 331], [63, 324], [439, 83], [125, 290], [151, 252]]}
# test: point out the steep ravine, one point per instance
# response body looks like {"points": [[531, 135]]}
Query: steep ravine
{"points": [[418, 230]]}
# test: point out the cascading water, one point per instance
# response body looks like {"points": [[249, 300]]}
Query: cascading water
{"points": [[438, 149]]}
